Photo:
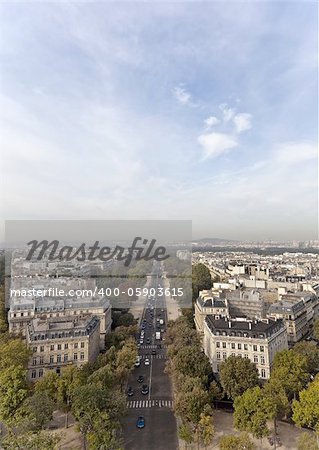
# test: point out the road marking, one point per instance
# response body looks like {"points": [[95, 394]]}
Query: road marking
{"points": [[149, 404]]}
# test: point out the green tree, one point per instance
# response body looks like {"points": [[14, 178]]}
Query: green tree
{"points": [[190, 361], [185, 432], [276, 395], [201, 279], [13, 392], [39, 410], [306, 409], [232, 442], [205, 429], [307, 441], [190, 403], [125, 360], [104, 377], [290, 370], [252, 411], [31, 441], [68, 382], [3, 311], [311, 352], [237, 375], [104, 434], [13, 352], [48, 384]]}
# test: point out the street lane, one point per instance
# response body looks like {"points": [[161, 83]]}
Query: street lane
{"points": [[160, 431]]}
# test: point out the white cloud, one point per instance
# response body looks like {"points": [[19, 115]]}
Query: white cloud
{"points": [[181, 95], [295, 152], [214, 144], [242, 122], [228, 113], [211, 121]]}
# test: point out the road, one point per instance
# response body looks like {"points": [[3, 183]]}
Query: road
{"points": [[160, 431]]}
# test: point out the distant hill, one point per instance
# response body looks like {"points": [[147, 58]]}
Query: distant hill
{"points": [[214, 241]]}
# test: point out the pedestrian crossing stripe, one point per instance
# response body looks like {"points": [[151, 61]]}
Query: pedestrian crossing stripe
{"points": [[153, 356], [134, 404], [152, 347]]}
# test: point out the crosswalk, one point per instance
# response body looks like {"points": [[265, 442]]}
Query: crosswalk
{"points": [[151, 346], [153, 356], [150, 404]]}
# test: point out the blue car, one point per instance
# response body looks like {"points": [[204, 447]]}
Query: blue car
{"points": [[140, 422]]}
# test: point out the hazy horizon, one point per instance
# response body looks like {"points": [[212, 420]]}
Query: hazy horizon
{"points": [[194, 111]]}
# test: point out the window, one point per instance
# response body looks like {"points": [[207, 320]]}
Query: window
{"points": [[233, 345], [40, 373], [41, 359], [59, 346], [262, 360], [218, 344], [224, 344], [239, 346], [34, 361], [75, 356], [82, 356], [42, 348], [255, 348], [51, 359], [66, 346], [224, 355], [33, 374], [58, 358], [255, 359], [35, 349], [262, 348], [246, 355], [52, 348], [66, 358], [218, 355], [245, 346], [263, 373], [82, 344], [76, 345]]}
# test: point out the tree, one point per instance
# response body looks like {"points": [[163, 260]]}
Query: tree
{"points": [[237, 375], [125, 360], [190, 403], [276, 394], [311, 352], [252, 411], [103, 435], [201, 279], [31, 441], [306, 409], [232, 442], [3, 311], [290, 370], [13, 352], [205, 429], [316, 330], [68, 382], [48, 384], [307, 441], [185, 432], [191, 361], [104, 377], [39, 410], [13, 391]]}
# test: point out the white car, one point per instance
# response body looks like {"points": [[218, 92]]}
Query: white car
{"points": [[141, 341], [137, 363], [147, 362]]}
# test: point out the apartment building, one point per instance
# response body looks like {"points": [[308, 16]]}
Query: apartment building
{"points": [[24, 309], [246, 302], [61, 341], [206, 304], [294, 314], [256, 340]]}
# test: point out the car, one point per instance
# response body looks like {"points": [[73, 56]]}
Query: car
{"points": [[141, 341], [143, 326], [140, 379], [144, 389], [157, 320], [153, 352], [162, 330], [148, 341], [140, 423], [144, 320], [130, 391], [147, 362], [137, 363]]}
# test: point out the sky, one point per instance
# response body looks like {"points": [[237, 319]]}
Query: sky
{"points": [[203, 111]]}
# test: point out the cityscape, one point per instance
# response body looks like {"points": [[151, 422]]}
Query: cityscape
{"points": [[159, 234]]}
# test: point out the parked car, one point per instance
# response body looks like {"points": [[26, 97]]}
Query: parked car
{"points": [[130, 391], [140, 422]]}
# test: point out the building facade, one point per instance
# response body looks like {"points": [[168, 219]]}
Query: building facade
{"points": [[206, 304], [256, 340], [61, 341]]}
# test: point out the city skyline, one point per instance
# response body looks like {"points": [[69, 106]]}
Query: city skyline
{"points": [[204, 111]]}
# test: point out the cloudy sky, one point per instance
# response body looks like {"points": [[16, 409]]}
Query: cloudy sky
{"points": [[202, 111]]}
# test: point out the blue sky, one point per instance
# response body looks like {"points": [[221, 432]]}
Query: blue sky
{"points": [[202, 111]]}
